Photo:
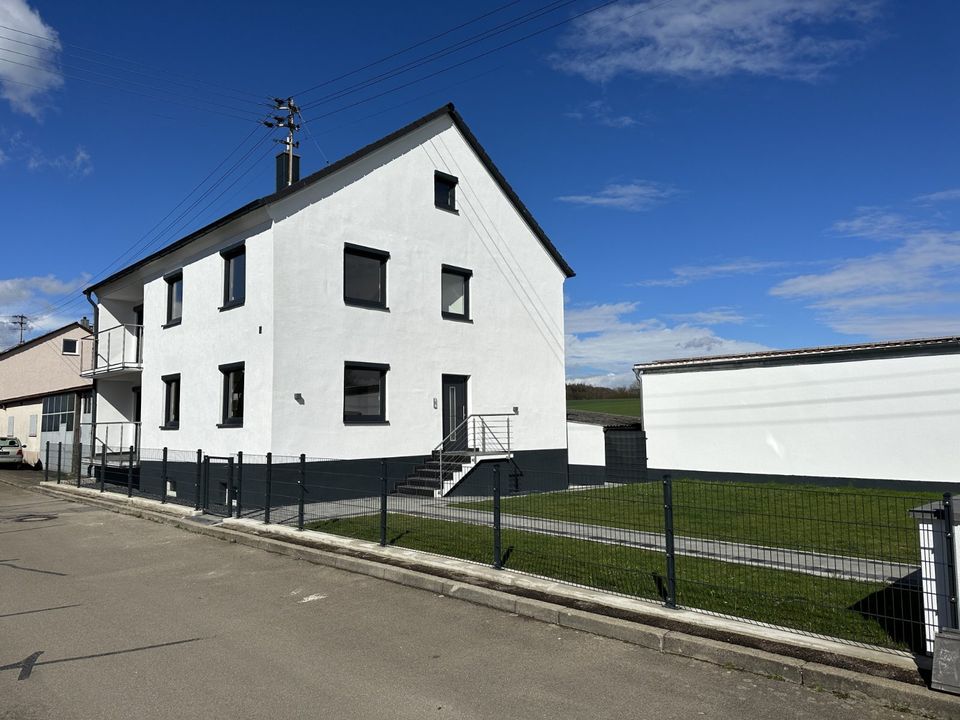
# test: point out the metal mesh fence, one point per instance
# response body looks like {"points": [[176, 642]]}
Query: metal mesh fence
{"points": [[868, 566]]}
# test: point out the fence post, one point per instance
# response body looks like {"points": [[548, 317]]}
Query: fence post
{"points": [[59, 460], [951, 558], [196, 483], [231, 491], [671, 598], [300, 483], [73, 450], [130, 472], [46, 465], [269, 494], [239, 482], [77, 457], [497, 553], [163, 477], [383, 503], [103, 465]]}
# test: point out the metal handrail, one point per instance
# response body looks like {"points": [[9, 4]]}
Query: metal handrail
{"points": [[473, 449], [105, 362], [121, 447]]}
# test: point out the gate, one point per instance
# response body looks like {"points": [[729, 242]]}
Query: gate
{"points": [[219, 492]]}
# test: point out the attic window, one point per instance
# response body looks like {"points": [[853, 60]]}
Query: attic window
{"points": [[445, 191], [69, 347]]}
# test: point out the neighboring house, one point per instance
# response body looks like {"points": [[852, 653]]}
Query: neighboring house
{"points": [[866, 413], [42, 397], [397, 298]]}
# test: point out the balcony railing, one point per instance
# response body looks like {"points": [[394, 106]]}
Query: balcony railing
{"points": [[113, 351], [112, 440]]}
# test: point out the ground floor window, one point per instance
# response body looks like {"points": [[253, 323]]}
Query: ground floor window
{"points": [[171, 402], [232, 394], [58, 412], [364, 392]]}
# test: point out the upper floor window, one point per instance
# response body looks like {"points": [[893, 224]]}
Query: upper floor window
{"points": [[69, 347], [234, 276], [174, 298], [445, 191], [232, 395], [365, 276], [455, 292], [171, 402]]}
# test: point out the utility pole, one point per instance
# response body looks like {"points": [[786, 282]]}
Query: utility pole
{"points": [[22, 321], [286, 121]]}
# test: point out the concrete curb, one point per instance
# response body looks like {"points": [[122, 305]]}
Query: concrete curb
{"points": [[859, 673]]}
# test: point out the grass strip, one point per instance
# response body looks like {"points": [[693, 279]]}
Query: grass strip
{"points": [[859, 611]]}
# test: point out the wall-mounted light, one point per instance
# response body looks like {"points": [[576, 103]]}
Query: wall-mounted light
{"points": [[298, 397], [434, 403], [516, 410]]}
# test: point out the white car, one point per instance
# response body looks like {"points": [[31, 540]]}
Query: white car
{"points": [[11, 452]]}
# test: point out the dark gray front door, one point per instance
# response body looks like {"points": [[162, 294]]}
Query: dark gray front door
{"points": [[454, 411]]}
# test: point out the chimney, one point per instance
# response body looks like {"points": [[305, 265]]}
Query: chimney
{"points": [[283, 170]]}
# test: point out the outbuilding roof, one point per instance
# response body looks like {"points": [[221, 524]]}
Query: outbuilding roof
{"points": [[826, 353], [447, 109]]}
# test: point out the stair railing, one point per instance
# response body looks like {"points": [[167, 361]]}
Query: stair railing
{"points": [[483, 434]]}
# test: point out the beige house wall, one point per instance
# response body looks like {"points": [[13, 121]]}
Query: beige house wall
{"points": [[41, 368]]}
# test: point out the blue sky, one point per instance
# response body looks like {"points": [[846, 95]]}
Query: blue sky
{"points": [[723, 175]]}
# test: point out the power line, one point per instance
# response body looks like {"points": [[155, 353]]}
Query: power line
{"points": [[406, 49], [123, 88], [132, 62], [448, 50], [114, 66]]}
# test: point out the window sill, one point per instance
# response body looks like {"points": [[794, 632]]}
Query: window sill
{"points": [[350, 421], [365, 305], [232, 305], [456, 318], [170, 427], [230, 424], [172, 323], [452, 211]]}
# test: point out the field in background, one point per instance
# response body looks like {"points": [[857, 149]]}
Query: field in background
{"points": [[614, 406]]}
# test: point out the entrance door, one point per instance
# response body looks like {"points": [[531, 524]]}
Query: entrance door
{"points": [[454, 411]]}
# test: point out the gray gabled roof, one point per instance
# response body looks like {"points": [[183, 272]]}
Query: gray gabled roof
{"points": [[826, 353], [447, 109]]}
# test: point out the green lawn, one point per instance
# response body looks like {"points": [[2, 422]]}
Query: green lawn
{"points": [[614, 406], [840, 521], [802, 602]]}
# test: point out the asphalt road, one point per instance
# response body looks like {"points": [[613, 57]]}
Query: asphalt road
{"points": [[108, 616]]}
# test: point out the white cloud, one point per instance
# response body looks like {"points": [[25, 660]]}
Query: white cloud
{"points": [[600, 112], [607, 380], [601, 343], [716, 316], [637, 196], [687, 274], [797, 39], [35, 297], [911, 290], [27, 88], [943, 196], [78, 163]]}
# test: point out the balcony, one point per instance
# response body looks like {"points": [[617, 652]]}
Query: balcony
{"points": [[112, 353]]}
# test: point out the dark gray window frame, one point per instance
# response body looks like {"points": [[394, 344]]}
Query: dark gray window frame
{"points": [[381, 419], [226, 371], [167, 380], [451, 181], [228, 256], [171, 280], [467, 276], [372, 253]]}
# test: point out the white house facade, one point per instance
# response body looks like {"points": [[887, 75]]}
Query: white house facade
{"points": [[366, 311], [872, 413]]}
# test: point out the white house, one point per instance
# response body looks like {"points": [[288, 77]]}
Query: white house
{"points": [[42, 399], [868, 414], [397, 298]]}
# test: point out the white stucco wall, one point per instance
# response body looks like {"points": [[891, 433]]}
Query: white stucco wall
{"points": [[894, 418], [21, 414], [512, 351], [295, 332], [585, 444]]}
